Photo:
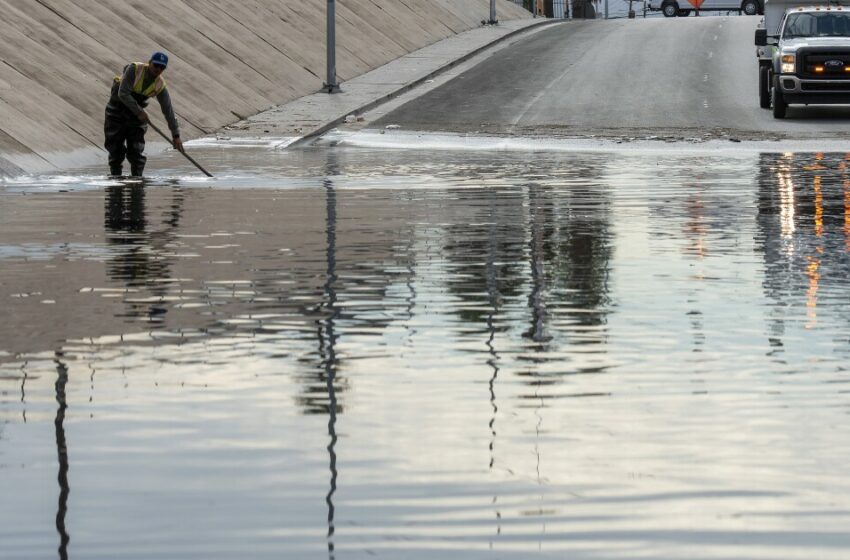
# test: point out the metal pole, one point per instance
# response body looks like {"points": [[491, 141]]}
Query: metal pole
{"points": [[493, 20], [606, 8], [331, 85]]}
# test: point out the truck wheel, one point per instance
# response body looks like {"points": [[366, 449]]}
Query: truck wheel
{"points": [[764, 87], [750, 7], [670, 9], [683, 13], [779, 105]]}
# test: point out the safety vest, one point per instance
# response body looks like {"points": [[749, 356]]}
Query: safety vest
{"points": [[152, 90]]}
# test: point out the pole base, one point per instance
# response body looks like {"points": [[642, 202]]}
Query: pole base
{"points": [[493, 22], [331, 88]]}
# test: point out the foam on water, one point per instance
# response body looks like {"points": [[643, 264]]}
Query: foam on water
{"points": [[406, 140], [223, 141]]}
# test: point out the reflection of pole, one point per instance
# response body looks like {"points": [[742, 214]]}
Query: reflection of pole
{"points": [[536, 300], [537, 454], [24, 376], [330, 356], [62, 451], [331, 86], [493, 362], [411, 288]]}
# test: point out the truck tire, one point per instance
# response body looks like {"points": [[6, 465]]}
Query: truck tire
{"points": [[779, 104], [750, 7], [764, 87], [670, 9], [683, 13]]}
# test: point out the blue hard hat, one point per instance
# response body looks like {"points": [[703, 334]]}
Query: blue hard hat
{"points": [[159, 58]]}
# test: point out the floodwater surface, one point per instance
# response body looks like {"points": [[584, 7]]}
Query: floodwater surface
{"points": [[353, 353]]}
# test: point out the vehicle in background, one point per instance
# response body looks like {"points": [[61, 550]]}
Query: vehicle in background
{"points": [[683, 8], [803, 51]]}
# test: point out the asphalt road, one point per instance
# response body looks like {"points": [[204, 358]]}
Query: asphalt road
{"points": [[674, 78]]}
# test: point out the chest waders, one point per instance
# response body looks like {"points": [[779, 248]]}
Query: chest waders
{"points": [[123, 131]]}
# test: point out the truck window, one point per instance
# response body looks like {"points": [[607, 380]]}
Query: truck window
{"points": [[808, 24]]}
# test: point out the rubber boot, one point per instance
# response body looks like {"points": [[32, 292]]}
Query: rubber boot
{"points": [[137, 170], [115, 170]]}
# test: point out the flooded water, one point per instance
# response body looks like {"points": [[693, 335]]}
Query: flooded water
{"points": [[353, 353]]}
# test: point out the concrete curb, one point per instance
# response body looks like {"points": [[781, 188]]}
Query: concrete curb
{"points": [[313, 134]]}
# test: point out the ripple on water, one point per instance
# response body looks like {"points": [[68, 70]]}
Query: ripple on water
{"points": [[409, 353]]}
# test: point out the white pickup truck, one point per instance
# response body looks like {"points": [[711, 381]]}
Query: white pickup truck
{"points": [[804, 54], [683, 8]]}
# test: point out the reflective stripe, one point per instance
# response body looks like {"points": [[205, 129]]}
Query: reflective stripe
{"points": [[152, 90]]}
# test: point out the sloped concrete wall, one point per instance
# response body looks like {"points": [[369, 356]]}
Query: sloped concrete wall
{"points": [[229, 59]]}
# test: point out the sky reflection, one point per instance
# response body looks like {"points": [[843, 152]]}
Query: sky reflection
{"points": [[390, 354]]}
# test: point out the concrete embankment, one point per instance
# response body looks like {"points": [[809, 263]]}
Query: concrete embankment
{"points": [[229, 59]]}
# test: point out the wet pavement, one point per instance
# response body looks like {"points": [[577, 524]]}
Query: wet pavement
{"points": [[351, 352]]}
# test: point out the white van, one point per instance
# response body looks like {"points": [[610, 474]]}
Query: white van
{"points": [[683, 8]]}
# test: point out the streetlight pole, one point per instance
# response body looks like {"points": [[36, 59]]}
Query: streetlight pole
{"points": [[493, 20], [331, 85]]}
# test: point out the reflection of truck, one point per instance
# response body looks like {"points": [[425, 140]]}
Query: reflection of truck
{"points": [[682, 8], [804, 55]]}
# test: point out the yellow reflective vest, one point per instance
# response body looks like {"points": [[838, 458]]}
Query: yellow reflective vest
{"points": [[154, 89]]}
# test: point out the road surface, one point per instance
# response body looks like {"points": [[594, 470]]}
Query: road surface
{"points": [[681, 78]]}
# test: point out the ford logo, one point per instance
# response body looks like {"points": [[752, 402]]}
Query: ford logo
{"points": [[833, 64]]}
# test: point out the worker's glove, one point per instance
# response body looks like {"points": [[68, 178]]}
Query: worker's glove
{"points": [[142, 116], [178, 143]]}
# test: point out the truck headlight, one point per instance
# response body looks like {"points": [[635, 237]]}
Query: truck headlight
{"points": [[788, 63]]}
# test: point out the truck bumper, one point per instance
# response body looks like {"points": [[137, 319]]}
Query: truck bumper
{"points": [[815, 92]]}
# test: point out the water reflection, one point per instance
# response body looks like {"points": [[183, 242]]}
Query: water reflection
{"points": [[538, 255], [24, 377], [494, 300], [803, 212], [327, 349], [550, 242], [444, 315], [143, 254], [62, 453], [571, 236]]}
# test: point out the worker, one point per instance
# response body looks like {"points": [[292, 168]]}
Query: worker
{"points": [[126, 119]]}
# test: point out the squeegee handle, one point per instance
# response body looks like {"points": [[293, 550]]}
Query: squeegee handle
{"points": [[195, 163]]}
